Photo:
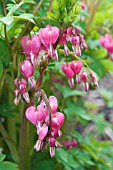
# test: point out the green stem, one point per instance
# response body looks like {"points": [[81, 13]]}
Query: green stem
{"points": [[92, 16], [24, 152], [2, 80], [11, 145], [50, 6]]}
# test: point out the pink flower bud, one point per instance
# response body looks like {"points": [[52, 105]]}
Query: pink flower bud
{"points": [[70, 143], [93, 78], [16, 82], [16, 101], [31, 115], [84, 79], [26, 68], [53, 104], [60, 118], [52, 147], [84, 76], [43, 132]]}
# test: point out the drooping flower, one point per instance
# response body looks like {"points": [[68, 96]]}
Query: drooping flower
{"points": [[27, 70], [85, 80], [66, 68], [49, 36]]}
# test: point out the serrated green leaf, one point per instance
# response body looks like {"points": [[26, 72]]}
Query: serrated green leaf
{"points": [[1, 68], [4, 52], [8, 166], [6, 20], [2, 157]]}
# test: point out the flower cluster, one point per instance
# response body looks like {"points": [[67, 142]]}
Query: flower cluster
{"points": [[39, 49], [48, 124], [75, 68], [77, 40], [70, 143], [21, 91], [107, 42]]}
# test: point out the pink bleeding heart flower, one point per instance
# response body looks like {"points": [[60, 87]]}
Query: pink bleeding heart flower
{"points": [[53, 104], [105, 39], [66, 68], [25, 44], [43, 107], [49, 36], [57, 120], [31, 45], [52, 146], [75, 40], [63, 41], [70, 143], [41, 114], [56, 133], [76, 67], [26, 68], [60, 118], [109, 46], [84, 79], [35, 44], [43, 132], [93, 78], [32, 114], [84, 76]]}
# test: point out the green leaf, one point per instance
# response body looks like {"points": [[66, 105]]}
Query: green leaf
{"points": [[91, 152], [4, 52], [2, 157], [7, 110], [29, 1], [6, 20], [25, 16], [1, 68], [67, 92], [8, 166], [51, 15], [62, 155], [15, 7]]}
